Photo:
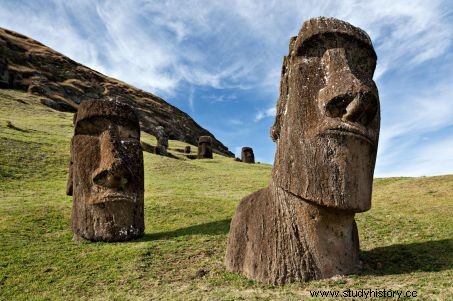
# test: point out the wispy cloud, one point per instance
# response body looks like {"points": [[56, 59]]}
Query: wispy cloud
{"points": [[181, 49], [270, 112]]}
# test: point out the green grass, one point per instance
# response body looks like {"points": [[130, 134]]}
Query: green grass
{"points": [[406, 238]]}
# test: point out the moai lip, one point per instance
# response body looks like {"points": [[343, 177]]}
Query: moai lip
{"points": [[327, 124], [247, 155], [106, 173], [204, 147]]}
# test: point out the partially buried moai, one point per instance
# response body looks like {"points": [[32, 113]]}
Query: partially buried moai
{"points": [[162, 141], [106, 173], [204, 147], [4, 73], [302, 226], [247, 155]]}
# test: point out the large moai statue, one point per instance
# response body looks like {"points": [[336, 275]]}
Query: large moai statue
{"points": [[162, 141], [247, 155], [204, 147], [302, 226], [106, 173]]}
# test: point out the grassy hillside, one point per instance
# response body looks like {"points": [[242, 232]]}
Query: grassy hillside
{"points": [[406, 238]]}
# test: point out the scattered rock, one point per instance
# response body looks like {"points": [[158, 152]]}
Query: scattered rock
{"points": [[201, 273], [10, 125]]}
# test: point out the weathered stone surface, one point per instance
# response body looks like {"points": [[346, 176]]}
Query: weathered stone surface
{"points": [[106, 173], [205, 147], [247, 155], [35, 68], [302, 226]]}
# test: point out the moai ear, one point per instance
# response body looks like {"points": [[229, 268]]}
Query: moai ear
{"points": [[281, 103], [69, 185]]}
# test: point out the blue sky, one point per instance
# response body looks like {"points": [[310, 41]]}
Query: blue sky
{"points": [[220, 62]]}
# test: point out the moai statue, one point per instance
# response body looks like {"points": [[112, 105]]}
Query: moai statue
{"points": [[247, 155], [162, 141], [4, 74], [106, 173], [204, 147], [187, 149], [302, 226]]}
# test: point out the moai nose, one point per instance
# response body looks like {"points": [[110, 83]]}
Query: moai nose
{"points": [[345, 96], [111, 171]]}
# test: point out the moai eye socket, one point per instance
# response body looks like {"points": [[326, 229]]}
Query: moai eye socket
{"points": [[361, 61], [126, 132], [92, 126]]}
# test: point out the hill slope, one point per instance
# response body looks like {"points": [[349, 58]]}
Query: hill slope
{"points": [[28, 65], [406, 237]]}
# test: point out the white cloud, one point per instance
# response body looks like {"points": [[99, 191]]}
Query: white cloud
{"points": [[166, 46], [270, 112], [236, 122]]}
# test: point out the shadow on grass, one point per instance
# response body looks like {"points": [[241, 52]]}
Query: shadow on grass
{"points": [[428, 256], [212, 228]]}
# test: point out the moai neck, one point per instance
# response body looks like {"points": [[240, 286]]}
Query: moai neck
{"points": [[329, 235]]}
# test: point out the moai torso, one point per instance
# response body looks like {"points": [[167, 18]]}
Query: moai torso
{"points": [[247, 155], [106, 173], [204, 147]]}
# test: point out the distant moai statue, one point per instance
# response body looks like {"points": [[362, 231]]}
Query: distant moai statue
{"points": [[4, 74], [204, 147], [247, 155], [106, 173], [187, 149], [302, 226], [162, 141]]}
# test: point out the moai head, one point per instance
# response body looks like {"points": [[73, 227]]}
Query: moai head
{"points": [[247, 155], [106, 172], [204, 147], [328, 119]]}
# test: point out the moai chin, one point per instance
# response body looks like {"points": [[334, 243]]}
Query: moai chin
{"points": [[204, 147], [106, 173], [302, 226], [247, 155]]}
